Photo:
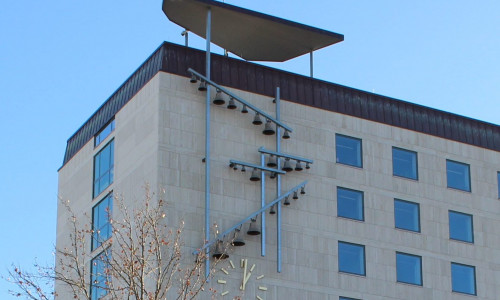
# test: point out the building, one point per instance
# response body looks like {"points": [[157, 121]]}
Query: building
{"points": [[401, 203]]}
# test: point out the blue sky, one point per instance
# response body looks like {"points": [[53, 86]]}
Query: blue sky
{"points": [[59, 60]]}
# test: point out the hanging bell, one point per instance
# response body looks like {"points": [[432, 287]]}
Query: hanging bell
{"points": [[268, 129], [257, 120], [218, 100], [237, 241], [231, 104], [235, 167], [272, 161], [243, 169], [286, 202], [295, 196], [298, 166], [203, 86], [255, 175], [193, 79], [302, 190], [252, 229], [287, 167], [219, 252], [286, 135], [272, 175], [308, 166], [244, 110], [272, 211]]}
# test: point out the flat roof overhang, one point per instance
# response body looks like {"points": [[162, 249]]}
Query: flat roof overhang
{"points": [[249, 34]]}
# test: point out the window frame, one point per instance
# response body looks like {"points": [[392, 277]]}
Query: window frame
{"points": [[362, 204], [420, 266], [360, 150], [364, 258], [498, 184], [110, 170], [468, 173], [109, 199], [418, 214], [97, 137], [471, 226], [93, 273], [473, 268], [393, 164]]}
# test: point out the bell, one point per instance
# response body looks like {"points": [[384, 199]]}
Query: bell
{"points": [[295, 196], [268, 130], [255, 175], [272, 161], [244, 110], [257, 120], [272, 175], [218, 100], [287, 166], [243, 169], [252, 229], [219, 252], [231, 104], [302, 190], [235, 167], [237, 241], [203, 86], [286, 202], [298, 166], [286, 135], [193, 79], [272, 211], [308, 166]]}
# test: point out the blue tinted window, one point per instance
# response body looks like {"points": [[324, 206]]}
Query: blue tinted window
{"points": [[406, 215], [498, 182], [99, 276], [350, 204], [404, 163], [458, 175], [461, 227], [351, 258], [103, 168], [104, 133], [409, 268], [101, 226], [463, 279], [348, 150]]}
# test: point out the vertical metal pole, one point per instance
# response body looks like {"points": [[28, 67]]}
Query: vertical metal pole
{"points": [[186, 39], [207, 147], [278, 185], [262, 204], [311, 63]]}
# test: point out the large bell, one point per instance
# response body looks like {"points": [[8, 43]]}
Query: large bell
{"points": [[257, 120], [271, 162], [231, 104], [219, 252], [286, 202], [298, 166], [255, 175], [252, 229], [218, 100], [268, 129], [287, 166], [203, 86], [272, 211], [238, 240], [286, 135]]}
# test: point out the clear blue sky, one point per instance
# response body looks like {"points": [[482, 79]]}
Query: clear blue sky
{"points": [[59, 60]]}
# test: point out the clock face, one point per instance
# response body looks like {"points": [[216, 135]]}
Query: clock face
{"points": [[247, 271]]}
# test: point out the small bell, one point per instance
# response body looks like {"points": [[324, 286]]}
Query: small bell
{"points": [[268, 129], [295, 196], [298, 166], [272, 211], [252, 229], [219, 252], [272, 175], [255, 175], [308, 166], [287, 166], [218, 100], [244, 110], [193, 79], [286, 202], [231, 104], [237, 241], [257, 120], [272, 161], [302, 190], [286, 135], [203, 86], [243, 169]]}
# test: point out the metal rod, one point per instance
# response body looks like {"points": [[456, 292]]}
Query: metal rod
{"points": [[311, 63], [281, 154], [249, 217], [185, 35], [240, 100], [262, 204], [207, 147], [262, 168], [278, 185]]}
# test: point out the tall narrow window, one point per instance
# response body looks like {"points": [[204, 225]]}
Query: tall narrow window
{"points": [[101, 226], [99, 277], [404, 163], [104, 133], [352, 258], [406, 215], [348, 150], [463, 279], [103, 168], [461, 228], [350, 204], [409, 268], [458, 175], [498, 183]]}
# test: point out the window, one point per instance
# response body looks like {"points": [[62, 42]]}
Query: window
{"points": [[409, 268], [458, 175], [99, 277], [348, 150], [350, 204], [404, 163], [407, 215], [104, 133], [463, 279], [101, 214], [103, 168], [352, 258], [461, 227], [498, 182]]}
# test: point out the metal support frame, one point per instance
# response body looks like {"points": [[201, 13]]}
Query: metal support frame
{"points": [[311, 63], [278, 185], [207, 145], [262, 168], [285, 155], [262, 204]]}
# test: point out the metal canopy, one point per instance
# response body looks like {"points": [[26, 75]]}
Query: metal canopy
{"points": [[249, 34]]}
